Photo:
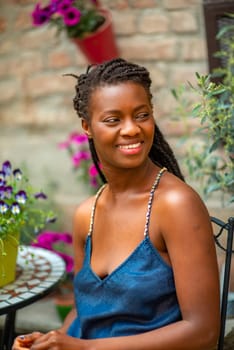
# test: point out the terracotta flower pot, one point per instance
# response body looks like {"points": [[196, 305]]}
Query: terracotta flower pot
{"points": [[101, 45]]}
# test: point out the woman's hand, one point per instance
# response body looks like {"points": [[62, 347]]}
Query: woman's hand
{"points": [[53, 340], [24, 342]]}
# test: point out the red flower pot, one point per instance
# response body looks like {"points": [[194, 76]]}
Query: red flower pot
{"points": [[101, 45]]}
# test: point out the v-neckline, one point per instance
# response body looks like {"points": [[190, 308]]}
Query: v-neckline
{"points": [[149, 206], [118, 267]]}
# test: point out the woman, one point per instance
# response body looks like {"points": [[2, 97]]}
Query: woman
{"points": [[146, 274]]}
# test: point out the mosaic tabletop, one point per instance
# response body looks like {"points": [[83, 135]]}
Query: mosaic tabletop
{"points": [[38, 272]]}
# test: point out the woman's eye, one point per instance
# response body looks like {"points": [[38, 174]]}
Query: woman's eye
{"points": [[111, 120], [142, 116]]}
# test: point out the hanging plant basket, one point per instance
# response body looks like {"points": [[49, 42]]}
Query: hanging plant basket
{"points": [[101, 45]]}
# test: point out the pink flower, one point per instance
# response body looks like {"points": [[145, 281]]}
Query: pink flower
{"points": [[93, 170], [80, 156], [71, 16], [48, 239], [64, 145], [78, 138]]}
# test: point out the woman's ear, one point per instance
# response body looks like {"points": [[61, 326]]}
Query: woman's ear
{"points": [[86, 127]]}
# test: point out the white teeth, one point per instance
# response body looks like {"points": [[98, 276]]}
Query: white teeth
{"points": [[134, 145]]}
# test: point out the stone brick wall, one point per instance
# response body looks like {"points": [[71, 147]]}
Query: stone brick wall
{"points": [[167, 36]]}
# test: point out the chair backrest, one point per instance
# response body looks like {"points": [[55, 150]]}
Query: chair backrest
{"points": [[221, 228]]}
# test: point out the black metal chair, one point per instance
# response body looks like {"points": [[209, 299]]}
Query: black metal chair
{"points": [[219, 228]]}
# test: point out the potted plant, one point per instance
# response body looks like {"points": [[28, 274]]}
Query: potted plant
{"points": [[84, 22], [210, 161], [77, 147], [22, 217]]}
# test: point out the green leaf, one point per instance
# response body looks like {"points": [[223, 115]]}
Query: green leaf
{"points": [[215, 145]]}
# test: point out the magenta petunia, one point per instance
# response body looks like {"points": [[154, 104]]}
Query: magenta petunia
{"points": [[41, 15], [71, 17], [63, 6], [48, 239]]}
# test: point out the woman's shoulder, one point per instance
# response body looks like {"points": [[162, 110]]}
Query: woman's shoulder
{"points": [[176, 194], [84, 208], [82, 216], [180, 209]]}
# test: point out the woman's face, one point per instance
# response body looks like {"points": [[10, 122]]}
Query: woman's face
{"points": [[121, 124]]}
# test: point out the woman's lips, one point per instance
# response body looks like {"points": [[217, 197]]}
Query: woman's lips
{"points": [[131, 148]]}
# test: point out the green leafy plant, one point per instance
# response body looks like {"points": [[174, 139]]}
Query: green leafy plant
{"points": [[77, 18], [22, 209], [210, 161]]}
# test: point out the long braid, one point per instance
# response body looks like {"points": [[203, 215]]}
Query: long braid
{"points": [[161, 154], [96, 160], [114, 72]]}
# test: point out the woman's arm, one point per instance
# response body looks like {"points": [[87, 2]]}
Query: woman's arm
{"points": [[80, 230], [184, 225]]}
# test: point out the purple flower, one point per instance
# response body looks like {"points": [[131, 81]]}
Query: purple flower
{"points": [[40, 195], [3, 207], [15, 208], [6, 168], [21, 197], [2, 176], [41, 15], [72, 16], [17, 174], [2, 192], [8, 191]]}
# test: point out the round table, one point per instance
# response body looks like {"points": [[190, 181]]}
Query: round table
{"points": [[38, 273]]}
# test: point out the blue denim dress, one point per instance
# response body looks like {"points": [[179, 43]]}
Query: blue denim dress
{"points": [[138, 296]]}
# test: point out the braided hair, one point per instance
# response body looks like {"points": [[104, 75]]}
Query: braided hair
{"points": [[113, 72]]}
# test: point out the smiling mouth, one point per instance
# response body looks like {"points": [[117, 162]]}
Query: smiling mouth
{"points": [[132, 146]]}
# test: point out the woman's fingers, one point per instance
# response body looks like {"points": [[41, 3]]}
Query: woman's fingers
{"points": [[28, 339]]}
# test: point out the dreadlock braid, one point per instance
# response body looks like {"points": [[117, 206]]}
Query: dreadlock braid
{"points": [[114, 72], [161, 154]]}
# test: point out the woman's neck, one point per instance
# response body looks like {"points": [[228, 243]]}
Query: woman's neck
{"points": [[131, 180]]}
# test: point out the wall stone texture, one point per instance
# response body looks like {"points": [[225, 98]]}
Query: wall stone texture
{"points": [[166, 36]]}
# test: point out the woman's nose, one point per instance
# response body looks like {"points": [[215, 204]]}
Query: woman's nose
{"points": [[129, 128]]}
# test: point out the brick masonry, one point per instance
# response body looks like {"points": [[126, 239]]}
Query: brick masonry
{"points": [[166, 36]]}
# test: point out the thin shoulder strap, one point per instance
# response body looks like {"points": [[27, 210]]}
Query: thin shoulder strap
{"points": [[151, 196], [93, 209]]}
